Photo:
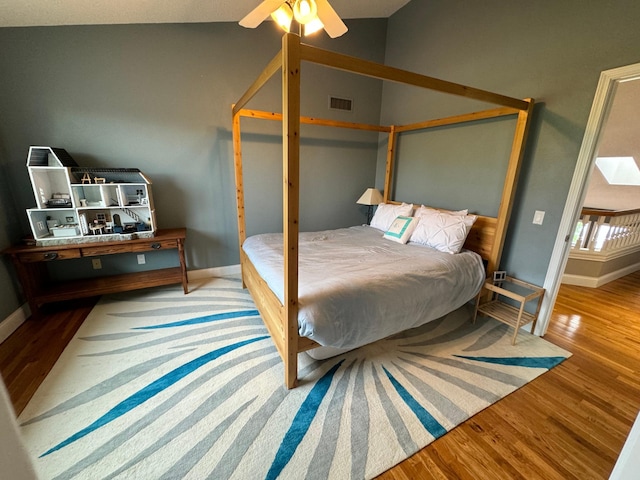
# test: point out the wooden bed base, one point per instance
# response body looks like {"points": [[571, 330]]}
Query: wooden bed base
{"points": [[487, 234]]}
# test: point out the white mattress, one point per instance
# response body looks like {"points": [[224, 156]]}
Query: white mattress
{"points": [[355, 287]]}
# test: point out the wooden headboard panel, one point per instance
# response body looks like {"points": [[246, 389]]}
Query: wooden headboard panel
{"points": [[482, 237]]}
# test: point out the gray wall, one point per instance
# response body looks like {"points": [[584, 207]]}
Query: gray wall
{"points": [[9, 231], [551, 51], [158, 98]]}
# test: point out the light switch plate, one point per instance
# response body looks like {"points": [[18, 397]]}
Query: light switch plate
{"points": [[538, 217]]}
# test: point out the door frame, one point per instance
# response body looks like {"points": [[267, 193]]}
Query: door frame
{"points": [[605, 92]]}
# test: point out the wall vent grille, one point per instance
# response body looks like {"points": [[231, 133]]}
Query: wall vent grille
{"points": [[337, 103]]}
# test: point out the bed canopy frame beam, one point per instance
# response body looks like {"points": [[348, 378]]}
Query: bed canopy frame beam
{"points": [[275, 65], [392, 74], [263, 115], [486, 237]]}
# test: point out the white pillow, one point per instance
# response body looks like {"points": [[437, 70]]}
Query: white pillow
{"points": [[401, 229], [387, 213], [443, 231], [422, 210]]}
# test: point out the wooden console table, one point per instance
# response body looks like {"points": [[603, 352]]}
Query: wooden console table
{"points": [[30, 264]]}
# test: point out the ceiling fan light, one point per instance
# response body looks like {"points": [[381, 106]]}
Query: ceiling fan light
{"points": [[283, 16], [305, 11], [313, 26]]}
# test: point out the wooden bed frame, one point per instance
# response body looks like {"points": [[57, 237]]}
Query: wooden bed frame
{"points": [[486, 237]]}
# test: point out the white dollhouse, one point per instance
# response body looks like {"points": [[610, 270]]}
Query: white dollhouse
{"points": [[80, 204]]}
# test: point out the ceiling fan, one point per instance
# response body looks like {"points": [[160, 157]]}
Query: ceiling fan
{"points": [[311, 15]]}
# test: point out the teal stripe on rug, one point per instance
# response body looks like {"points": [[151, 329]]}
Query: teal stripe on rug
{"points": [[163, 410], [529, 362], [428, 421], [150, 391], [205, 319], [301, 423]]}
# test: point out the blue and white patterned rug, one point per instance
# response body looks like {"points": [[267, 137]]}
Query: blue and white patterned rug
{"points": [[159, 385]]}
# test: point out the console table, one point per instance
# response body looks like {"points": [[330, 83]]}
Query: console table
{"points": [[30, 263]]}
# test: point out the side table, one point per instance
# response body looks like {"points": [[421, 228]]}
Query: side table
{"points": [[520, 292]]}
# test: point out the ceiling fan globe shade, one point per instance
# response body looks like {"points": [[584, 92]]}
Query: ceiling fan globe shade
{"points": [[283, 16], [304, 11], [313, 26]]}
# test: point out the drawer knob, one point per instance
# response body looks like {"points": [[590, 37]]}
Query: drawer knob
{"points": [[51, 255], [155, 246]]}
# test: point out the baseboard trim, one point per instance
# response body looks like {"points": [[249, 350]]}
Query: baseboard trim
{"points": [[595, 282], [13, 321], [214, 272]]}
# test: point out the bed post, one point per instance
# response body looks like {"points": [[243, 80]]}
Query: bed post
{"points": [[291, 199], [510, 182], [391, 152], [237, 155]]}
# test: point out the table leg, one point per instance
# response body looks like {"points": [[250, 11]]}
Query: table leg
{"points": [[183, 266]]}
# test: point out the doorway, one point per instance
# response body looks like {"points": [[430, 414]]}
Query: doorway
{"points": [[605, 92]]}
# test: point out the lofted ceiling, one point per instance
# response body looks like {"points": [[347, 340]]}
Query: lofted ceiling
{"points": [[23, 13]]}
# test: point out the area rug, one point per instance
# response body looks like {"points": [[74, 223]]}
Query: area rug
{"points": [[161, 385]]}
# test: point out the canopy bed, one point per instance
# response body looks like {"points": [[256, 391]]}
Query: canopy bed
{"points": [[280, 308]]}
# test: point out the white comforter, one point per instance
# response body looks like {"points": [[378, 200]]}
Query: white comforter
{"points": [[355, 287]]}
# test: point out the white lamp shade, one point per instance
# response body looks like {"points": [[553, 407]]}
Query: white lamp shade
{"points": [[371, 196]]}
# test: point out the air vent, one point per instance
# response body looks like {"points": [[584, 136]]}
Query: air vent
{"points": [[337, 103]]}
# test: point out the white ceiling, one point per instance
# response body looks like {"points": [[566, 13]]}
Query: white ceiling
{"points": [[22, 13]]}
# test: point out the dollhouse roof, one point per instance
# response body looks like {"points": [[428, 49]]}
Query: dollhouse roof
{"points": [[49, 157]]}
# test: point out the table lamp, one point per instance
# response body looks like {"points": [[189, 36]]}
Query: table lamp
{"points": [[370, 197]]}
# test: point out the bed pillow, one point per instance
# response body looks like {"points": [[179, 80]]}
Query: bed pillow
{"points": [[443, 231], [422, 210], [401, 229], [387, 213]]}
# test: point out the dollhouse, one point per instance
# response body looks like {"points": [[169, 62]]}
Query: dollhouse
{"points": [[75, 204]]}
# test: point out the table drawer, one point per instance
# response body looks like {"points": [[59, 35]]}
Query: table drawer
{"points": [[154, 245], [49, 255], [105, 250], [128, 248]]}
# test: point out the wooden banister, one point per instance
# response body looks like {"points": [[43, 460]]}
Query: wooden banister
{"points": [[602, 212]]}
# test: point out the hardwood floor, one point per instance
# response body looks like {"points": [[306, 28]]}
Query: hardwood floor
{"points": [[570, 423], [27, 356]]}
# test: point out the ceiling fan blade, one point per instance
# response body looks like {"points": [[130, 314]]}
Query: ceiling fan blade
{"points": [[256, 16], [333, 25]]}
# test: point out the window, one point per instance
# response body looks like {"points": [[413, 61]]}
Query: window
{"points": [[619, 170]]}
